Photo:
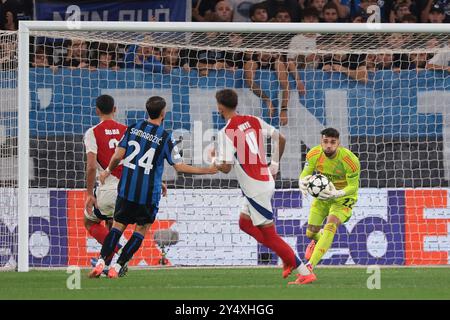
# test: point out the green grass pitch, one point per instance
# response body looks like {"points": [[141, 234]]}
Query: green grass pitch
{"points": [[230, 283]]}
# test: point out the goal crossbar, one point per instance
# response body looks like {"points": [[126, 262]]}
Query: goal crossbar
{"points": [[232, 27]]}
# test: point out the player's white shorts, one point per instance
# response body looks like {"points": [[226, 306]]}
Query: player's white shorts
{"points": [[106, 204], [259, 208]]}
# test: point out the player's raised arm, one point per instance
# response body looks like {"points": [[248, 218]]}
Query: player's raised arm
{"points": [[223, 167], [174, 158], [279, 143], [185, 168], [220, 165], [223, 158]]}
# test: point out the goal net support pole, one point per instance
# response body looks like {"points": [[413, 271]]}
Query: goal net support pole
{"points": [[23, 147]]}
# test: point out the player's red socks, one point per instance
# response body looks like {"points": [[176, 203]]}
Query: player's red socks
{"points": [[273, 241], [99, 232], [247, 226], [270, 238]]}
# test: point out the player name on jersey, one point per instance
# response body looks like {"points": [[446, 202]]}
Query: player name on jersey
{"points": [[244, 126], [111, 132], [147, 136]]}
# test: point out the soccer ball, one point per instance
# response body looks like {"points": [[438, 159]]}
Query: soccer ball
{"points": [[316, 184]]}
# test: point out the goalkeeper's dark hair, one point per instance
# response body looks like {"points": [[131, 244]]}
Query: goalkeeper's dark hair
{"points": [[105, 103], [227, 98], [155, 105], [330, 132]]}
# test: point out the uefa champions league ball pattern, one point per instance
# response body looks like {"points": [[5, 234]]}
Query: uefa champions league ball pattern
{"points": [[316, 184]]}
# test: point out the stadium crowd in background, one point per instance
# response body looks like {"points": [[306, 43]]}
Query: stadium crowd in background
{"points": [[395, 11], [11, 11], [115, 57]]}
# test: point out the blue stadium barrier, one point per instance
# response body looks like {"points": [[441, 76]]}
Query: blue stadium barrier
{"points": [[386, 105]]}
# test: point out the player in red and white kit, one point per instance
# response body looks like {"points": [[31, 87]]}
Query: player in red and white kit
{"points": [[100, 142], [241, 144]]}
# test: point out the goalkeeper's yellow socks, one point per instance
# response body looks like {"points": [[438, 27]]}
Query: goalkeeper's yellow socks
{"points": [[312, 235], [324, 243]]}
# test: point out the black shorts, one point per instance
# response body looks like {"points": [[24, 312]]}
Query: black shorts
{"points": [[128, 212]]}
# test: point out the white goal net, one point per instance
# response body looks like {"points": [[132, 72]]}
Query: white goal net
{"points": [[387, 93], [8, 150]]}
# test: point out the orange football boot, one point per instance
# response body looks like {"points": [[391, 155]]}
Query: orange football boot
{"points": [[98, 269], [310, 249], [305, 279]]}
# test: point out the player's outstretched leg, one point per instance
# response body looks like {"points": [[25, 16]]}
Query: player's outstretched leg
{"points": [[246, 225], [290, 261], [256, 220], [324, 243], [119, 268], [108, 247], [274, 242]]}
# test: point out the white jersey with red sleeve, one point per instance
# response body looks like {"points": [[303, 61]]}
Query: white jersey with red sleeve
{"points": [[102, 140], [241, 143]]}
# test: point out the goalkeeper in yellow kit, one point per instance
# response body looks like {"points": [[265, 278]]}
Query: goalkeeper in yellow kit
{"points": [[336, 201]]}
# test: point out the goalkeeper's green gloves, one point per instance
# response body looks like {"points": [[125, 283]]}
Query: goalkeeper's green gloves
{"points": [[330, 192], [303, 184]]}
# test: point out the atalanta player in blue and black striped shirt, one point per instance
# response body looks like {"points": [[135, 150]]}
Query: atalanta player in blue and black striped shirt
{"points": [[146, 145], [143, 148]]}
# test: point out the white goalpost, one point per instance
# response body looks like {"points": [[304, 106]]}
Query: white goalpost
{"points": [[376, 83]]}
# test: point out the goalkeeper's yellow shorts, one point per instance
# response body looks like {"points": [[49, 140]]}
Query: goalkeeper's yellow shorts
{"points": [[321, 209]]}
